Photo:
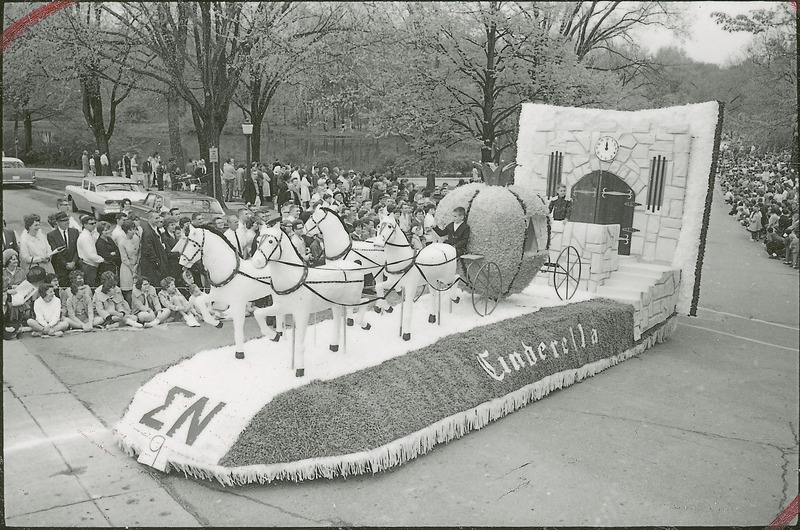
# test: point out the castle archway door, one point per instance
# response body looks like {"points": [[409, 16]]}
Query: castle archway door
{"points": [[603, 198]]}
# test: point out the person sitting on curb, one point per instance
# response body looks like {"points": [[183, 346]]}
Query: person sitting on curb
{"points": [[47, 321], [110, 304], [80, 305], [173, 300], [146, 304]]}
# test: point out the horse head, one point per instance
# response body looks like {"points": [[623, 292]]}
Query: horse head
{"points": [[192, 245], [386, 230], [312, 226], [270, 241]]}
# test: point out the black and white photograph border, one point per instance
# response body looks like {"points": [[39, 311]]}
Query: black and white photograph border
{"points": [[594, 322]]}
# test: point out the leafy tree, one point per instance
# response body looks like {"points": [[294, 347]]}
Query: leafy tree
{"points": [[290, 40], [27, 86], [767, 78]]}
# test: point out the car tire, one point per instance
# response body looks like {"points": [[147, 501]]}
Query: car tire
{"points": [[74, 206]]}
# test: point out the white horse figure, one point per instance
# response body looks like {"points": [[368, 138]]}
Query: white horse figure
{"points": [[301, 290], [435, 265], [234, 281], [338, 246]]}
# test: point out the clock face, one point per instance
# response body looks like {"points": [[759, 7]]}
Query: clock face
{"points": [[606, 148]]}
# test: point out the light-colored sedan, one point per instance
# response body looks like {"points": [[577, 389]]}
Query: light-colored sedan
{"points": [[15, 172], [102, 196]]}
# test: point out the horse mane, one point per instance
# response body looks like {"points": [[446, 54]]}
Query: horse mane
{"points": [[220, 235], [289, 240]]}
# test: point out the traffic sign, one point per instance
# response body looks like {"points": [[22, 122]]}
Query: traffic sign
{"points": [[213, 154]]}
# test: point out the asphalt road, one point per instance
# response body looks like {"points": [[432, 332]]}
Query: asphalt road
{"points": [[701, 430]]}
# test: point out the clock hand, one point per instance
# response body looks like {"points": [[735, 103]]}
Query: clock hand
{"points": [[606, 145]]}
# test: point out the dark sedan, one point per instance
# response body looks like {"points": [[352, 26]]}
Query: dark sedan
{"points": [[186, 202]]}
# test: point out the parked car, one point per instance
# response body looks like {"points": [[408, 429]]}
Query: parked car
{"points": [[15, 172], [185, 201], [102, 196]]}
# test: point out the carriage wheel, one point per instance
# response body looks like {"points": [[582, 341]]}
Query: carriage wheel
{"points": [[486, 288], [567, 273]]}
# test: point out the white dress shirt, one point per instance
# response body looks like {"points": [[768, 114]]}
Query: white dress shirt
{"points": [[87, 251]]}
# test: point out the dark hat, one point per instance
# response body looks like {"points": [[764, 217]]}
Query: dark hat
{"points": [[61, 216]]}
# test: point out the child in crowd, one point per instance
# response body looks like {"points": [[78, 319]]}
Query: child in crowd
{"points": [[47, 321], [173, 300], [110, 304], [198, 299]]}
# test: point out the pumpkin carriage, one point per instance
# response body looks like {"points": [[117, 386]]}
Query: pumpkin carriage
{"points": [[508, 242]]}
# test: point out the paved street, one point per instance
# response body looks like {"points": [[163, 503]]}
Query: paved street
{"points": [[701, 430]]}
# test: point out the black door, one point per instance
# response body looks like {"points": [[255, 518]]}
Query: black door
{"points": [[603, 198]]}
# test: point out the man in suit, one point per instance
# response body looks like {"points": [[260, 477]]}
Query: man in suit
{"points": [[63, 205], [457, 232], [65, 237], [126, 165], [98, 164], [9, 239], [153, 263]]}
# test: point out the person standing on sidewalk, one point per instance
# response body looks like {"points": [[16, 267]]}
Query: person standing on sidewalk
{"points": [[87, 251], [126, 165], [106, 165], [85, 163], [228, 178]]}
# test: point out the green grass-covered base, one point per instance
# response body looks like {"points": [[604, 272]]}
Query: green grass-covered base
{"points": [[388, 414]]}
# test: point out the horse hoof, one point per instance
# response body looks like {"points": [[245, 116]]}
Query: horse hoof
{"points": [[350, 322], [277, 337], [457, 299], [219, 325], [377, 310], [432, 319], [367, 327], [240, 355], [334, 347], [390, 309], [406, 336], [271, 321], [300, 372]]}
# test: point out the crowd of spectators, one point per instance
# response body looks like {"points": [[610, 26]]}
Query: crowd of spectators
{"points": [[84, 274], [762, 191]]}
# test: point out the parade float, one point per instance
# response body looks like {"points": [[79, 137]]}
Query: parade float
{"points": [[641, 185]]}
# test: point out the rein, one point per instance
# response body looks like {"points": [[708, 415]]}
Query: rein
{"points": [[199, 250]]}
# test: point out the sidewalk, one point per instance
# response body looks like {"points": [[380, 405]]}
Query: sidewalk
{"points": [[54, 477]]}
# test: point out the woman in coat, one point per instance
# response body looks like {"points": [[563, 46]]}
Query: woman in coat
{"points": [[107, 249], [33, 246], [129, 255], [249, 193]]}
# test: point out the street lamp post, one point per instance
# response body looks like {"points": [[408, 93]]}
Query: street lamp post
{"points": [[247, 129]]}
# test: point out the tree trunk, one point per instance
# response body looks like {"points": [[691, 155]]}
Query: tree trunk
{"points": [[173, 119], [256, 120], [208, 134], [27, 124], [487, 150], [93, 110]]}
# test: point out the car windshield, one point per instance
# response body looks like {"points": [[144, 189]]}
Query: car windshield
{"points": [[196, 205], [13, 164], [121, 186]]}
